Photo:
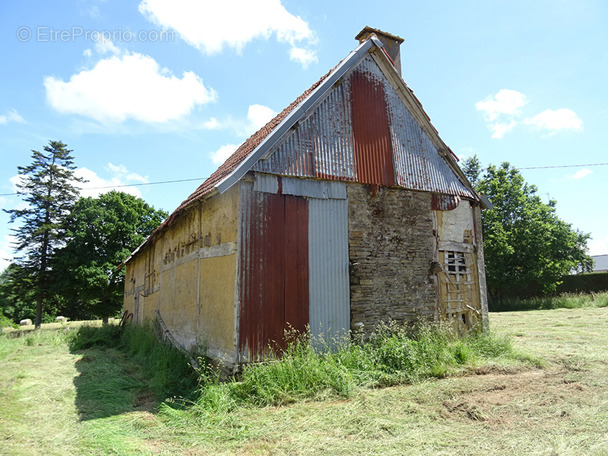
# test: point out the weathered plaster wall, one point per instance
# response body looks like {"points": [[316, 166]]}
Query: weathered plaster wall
{"points": [[217, 279], [189, 276], [391, 247]]}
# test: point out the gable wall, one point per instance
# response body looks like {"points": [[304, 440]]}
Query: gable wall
{"points": [[362, 131], [391, 247]]}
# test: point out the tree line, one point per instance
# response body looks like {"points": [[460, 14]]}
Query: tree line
{"points": [[69, 248]]}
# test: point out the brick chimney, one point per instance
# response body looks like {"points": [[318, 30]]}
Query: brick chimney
{"points": [[391, 43]]}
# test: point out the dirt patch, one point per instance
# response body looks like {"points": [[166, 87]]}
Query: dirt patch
{"points": [[535, 395]]}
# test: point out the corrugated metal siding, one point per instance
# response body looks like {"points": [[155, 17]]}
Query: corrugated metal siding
{"points": [[372, 138], [328, 264], [273, 269], [350, 125], [320, 146], [299, 187], [444, 202]]}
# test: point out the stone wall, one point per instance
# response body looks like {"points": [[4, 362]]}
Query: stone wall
{"points": [[391, 246]]}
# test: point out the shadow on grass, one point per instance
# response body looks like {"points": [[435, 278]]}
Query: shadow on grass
{"points": [[126, 369], [108, 384]]}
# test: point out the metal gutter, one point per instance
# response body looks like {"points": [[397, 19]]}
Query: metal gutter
{"points": [[293, 117]]}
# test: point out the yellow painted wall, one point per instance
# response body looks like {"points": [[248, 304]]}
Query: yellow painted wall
{"points": [[218, 274], [189, 275]]}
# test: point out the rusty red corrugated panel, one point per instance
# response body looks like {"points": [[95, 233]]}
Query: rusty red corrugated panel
{"points": [[373, 151], [273, 270], [296, 262], [444, 202]]}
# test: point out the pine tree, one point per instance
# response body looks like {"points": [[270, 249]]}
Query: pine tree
{"points": [[47, 186]]}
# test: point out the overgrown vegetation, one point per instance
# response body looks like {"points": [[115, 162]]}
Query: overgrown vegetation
{"points": [[562, 301], [393, 355]]}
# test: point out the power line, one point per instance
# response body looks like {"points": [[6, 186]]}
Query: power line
{"points": [[203, 178], [565, 166], [128, 185]]}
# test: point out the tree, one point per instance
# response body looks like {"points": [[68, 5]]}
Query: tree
{"points": [[527, 247], [100, 235], [47, 186]]}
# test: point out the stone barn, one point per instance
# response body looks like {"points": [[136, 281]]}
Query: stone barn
{"points": [[345, 210]]}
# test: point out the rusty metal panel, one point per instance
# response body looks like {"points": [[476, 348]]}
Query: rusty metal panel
{"points": [[328, 264], [321, 144], [273, 285], [372, 137], [295, 263], [444, 202]]}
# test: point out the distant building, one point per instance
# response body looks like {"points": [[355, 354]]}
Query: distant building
{"points": [[345, 210], [600, 263]]}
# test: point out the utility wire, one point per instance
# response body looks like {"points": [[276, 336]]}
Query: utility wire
{"points": [[565, 166], [202, 178], [128, 185]]}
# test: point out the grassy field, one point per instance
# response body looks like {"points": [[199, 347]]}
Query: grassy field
{"points": [[54, 401]]}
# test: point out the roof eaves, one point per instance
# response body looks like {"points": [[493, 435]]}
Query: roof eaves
{"points": [[291, 119]]}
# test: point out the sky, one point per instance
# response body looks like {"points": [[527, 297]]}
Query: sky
{"points": [[149, 91]]}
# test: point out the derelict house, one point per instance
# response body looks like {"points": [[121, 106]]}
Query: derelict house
{"points": [[345, 210]]}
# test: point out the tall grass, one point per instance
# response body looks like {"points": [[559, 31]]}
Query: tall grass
{"points": [[392, 355], [562, 301], [167, 369]]}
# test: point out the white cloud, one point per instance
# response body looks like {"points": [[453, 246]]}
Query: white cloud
{"points": [[499, 129], [130, 86], [556, 120], [104, 45], [212, 124], [257, 117], [598, 247], [119, 176], [303, 56], [582, 173], [11, 115], [502, 110], [505, 103], [209, 25], [87, 53], [219, 156]]}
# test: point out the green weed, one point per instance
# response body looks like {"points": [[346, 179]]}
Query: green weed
{"points": [[392, 355]]}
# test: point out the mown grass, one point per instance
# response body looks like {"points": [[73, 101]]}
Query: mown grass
{"points": [[166, 369], [480, 402], [562, 301]]}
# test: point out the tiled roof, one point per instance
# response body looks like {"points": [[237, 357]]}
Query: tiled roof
{"points": [[235, 159]]}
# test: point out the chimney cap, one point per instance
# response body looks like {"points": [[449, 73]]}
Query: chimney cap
{"points": [[367, 31]]}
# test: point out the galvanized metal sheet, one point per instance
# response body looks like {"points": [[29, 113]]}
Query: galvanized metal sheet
{"points": [[321, 144], [329, 305], [284, 185]]}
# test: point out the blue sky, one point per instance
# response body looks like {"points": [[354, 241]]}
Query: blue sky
{"points": [[149, 91]]}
